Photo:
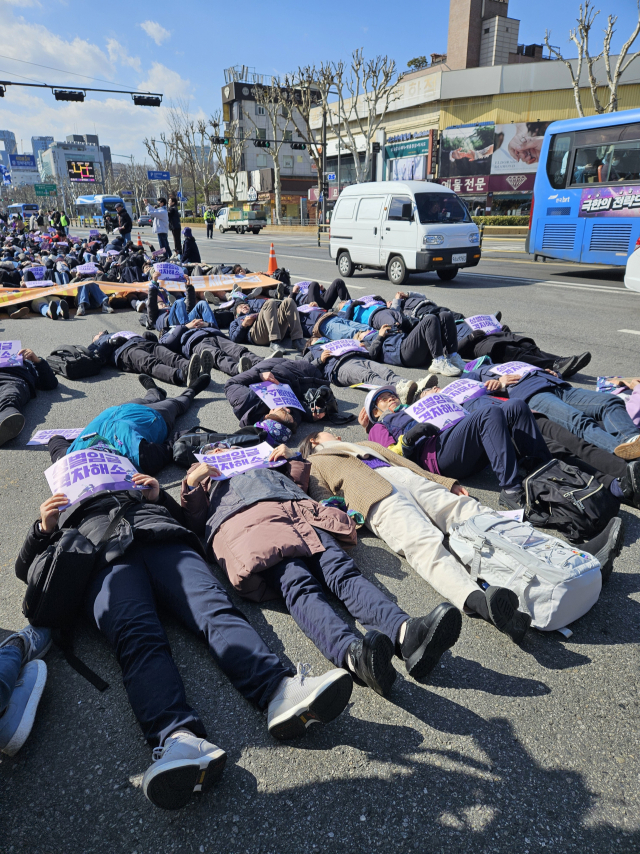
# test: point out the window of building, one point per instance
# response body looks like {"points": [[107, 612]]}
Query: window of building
{"points": [[486, 31], [239, 132], [242, 166], [286, 112], [261, 133], [287, 162], [261, 160], [287, 136], [507, 29], [259, 110], [237, 110]]}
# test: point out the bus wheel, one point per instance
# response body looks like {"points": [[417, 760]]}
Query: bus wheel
{"points": [[345, 265], [448, 273], [397, 271]]}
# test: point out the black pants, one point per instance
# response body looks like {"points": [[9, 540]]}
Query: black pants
{"points": [[571, 449], [527, 352], [157, 361], [122, 600], [176, 239], [14, 395], [153, 456], [226, 354], [209, 229], [427, 340], [337, 290]]}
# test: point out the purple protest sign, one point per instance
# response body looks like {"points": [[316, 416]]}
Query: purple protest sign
{"points": [[474, 364], [239, 460], [93, 232], [276, 396], [370, 300], [302, 287], [9, 354], [42, 436], [169, 272], [38, 275], [463, 390], [126, 334], [84, 473], [226, 304], [89, 269], [513, 368], [437, 409], [484, 322], [342, 346], [305, 309]]}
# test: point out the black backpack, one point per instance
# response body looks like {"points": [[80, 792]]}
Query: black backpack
{"points": [[186, 443], [564, 497], [74, 362]]}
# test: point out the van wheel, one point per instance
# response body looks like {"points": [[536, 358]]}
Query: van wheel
{"points": [[448, 273], [221, 229], [345, 265], [242, 230], [397, 271]]}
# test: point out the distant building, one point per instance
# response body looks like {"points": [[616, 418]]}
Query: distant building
{"points": [[40, 143], [81, 163], [7, 147]]}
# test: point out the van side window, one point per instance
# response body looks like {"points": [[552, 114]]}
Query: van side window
{"points": [[395, 208], [345, 209], [369, 208]]}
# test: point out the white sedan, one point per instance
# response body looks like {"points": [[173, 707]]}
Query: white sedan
{"points": [[632, 273]]}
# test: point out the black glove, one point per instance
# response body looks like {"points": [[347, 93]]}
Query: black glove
{"points": [[419, 431], [477, 334]]}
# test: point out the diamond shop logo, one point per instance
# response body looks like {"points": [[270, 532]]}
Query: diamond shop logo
{"points": [[516, 181]]}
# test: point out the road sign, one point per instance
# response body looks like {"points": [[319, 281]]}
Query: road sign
{"points": [[252, 194], [126, 192], [331, 176], [154, 175], [46, 190]]}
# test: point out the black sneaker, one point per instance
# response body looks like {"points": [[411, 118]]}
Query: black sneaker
{"points": [[369, 660], [280, 291], [10, 426], [570, 365], [245, 363], [606, 546], [511, 500], [206, 362], [200, 384], [276, 346], [64, 308], [498, 316], [502, 605], [630, 483], [147, 382], [194, 369], [427, 638], [52, 311]]}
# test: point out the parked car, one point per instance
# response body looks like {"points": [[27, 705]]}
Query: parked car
{"points": [[632, 272], [144, 219], [402, 227]]}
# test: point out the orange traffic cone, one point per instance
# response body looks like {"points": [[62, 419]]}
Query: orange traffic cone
{"points": [[273, 264], [139, 240]]}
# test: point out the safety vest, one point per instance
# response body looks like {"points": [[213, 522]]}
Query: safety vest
{"points": [[209, 216], [64, 222]]}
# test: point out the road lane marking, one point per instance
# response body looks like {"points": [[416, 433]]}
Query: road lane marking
{"points": [[630, 331]]}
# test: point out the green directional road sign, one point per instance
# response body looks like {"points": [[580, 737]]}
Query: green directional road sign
{"points": [[46, 190]]}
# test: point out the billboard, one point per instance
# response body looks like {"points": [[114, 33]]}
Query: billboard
{"points": [[516, 147], [81, 171], [466, 150], [23, 161], [408, 168]]}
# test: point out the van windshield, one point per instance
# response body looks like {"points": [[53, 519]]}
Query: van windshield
{"points": [[441, 207]]}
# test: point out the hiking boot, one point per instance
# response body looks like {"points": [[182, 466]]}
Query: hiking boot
{"points": [[19, 313], [406, 391], [194, 370], [186, 764], [427, 638], [10, 426], [17, 719], [369, 659], [302, 700]]}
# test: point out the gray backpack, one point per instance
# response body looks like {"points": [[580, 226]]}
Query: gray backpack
{"points": [[555, 582]]}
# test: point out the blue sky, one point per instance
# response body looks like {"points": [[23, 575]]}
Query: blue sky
{"points": [[181, 49]]}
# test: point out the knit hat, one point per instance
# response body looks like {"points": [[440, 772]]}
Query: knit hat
{"points": [[277, 434], [186, 231]]}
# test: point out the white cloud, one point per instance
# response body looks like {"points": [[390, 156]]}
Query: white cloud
{"points": [[163, 79], [22, 3], [118, 53], [155, 31]]}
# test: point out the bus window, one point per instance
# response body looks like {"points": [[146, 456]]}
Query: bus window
{"points": [[558, 160]]}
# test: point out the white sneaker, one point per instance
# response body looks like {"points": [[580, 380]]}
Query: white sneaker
{"points": [[628, 450], [457, 361], [186, 764], [430, 381], [302, 700], [444, 367], [406, 391]]}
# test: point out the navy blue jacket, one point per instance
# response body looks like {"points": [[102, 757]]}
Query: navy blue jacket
{"points": [[242, 334], [110, 353], [38, 377], [181, 339], [530, 384], [330, 367], [190, 251]]}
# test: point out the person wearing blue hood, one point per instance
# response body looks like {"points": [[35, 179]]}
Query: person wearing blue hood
{"points": [[190, 252]]}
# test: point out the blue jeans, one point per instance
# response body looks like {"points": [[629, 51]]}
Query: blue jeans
{"points": [[90, 293], [303, 583], [127, 237], [579, 410], [163, 241], [335, 328], [10, 666], [178, 314], [123, 600]]}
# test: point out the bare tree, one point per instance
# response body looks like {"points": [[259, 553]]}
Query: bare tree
{"points": [[276, 104], [580, 37], [365, 89], [163, 161]]}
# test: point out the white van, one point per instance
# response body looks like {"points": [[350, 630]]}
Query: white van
{"points": [[402, 227]]}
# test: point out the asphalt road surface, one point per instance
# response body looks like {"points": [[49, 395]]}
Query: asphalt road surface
{"points": [[531, 749]]}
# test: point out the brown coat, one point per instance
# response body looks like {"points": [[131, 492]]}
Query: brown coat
{"points": [[334, 471]]}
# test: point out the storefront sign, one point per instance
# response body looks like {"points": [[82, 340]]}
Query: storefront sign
{"points": [[476, 184], [610, 201], [410, 148], [517, 183]]}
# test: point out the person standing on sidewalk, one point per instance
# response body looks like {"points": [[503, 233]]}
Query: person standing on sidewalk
{"points": [[160, 222], [173, 214]]}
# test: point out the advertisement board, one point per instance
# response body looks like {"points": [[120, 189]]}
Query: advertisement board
{"points": [[466, 150], [81, 172], [23, 161], [516, 147], [408, 168], [610, 201]]}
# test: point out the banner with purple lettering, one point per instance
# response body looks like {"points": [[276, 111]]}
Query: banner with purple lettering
{"points": [[85, 473], [610, 201], [42, 436], [521, 368], [437, 409], [239, 460], [342, 346], [276, 396], [463, 390], [484, 322], [9, 354]]}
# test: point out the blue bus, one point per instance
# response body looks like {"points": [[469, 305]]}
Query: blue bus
{"points": [[91, 209], [25, 211], [586, 197]]}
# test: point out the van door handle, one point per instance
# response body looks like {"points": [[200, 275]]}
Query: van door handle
{"points": [[388, 229]]}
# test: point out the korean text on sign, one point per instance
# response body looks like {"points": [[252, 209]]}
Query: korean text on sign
{"points": [[437, 409]]}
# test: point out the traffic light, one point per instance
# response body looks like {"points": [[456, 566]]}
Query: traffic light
{"points": [[262, 143], [68, 95], [220, 140], [298, 146], [146, 101], [325, 189]]}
